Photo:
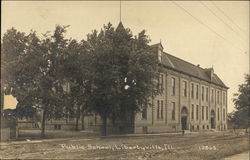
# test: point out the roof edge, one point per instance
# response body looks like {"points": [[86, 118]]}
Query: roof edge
{"points": [[174, 69]]}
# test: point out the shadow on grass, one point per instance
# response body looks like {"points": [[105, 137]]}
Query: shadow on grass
{"points": [[51, 134]]}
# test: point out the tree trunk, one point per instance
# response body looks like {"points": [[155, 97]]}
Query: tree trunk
{"points": [[77, 118], [104, 125], [43, 124], [1, 108], [83, 127]]}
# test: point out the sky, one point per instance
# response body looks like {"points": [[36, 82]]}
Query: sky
{"points": [[212, 34]]}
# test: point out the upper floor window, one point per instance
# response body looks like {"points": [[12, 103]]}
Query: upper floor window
{"points": [[218, 97], [224, 98], [173, 85], [206, 94], [160, 82], [212, 95], [160, 56], [218, 114], [224, 115], [202, 93], [197, 91], [192, 90], [185, 88]]}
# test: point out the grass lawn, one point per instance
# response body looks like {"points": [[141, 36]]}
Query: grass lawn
{"points": [[50, 134], [82, 145]]}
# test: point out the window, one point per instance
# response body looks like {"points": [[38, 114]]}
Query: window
{"points": [[202, 93], [197, 91], [173, 110], [161, 109], [158, 109], [192, 127], [206, 94], [184, 88], [212, 95], [173, 85], [159, 56], [207, 113], [218, 114], [218, 97], [192, 112], [224, 98], [192, 90], [144, 113], [224, 117], [202, 114], [160, 82], [197, 112]]}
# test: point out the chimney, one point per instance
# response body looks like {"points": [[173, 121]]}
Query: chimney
{"points": [[211, 73]]}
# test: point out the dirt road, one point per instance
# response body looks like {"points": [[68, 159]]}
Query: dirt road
{"points": [[154, 147]]}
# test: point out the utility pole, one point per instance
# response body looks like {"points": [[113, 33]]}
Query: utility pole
{"points": [[2, 100]]}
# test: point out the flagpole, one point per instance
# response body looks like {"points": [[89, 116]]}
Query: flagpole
{"points": [[120, 10]]}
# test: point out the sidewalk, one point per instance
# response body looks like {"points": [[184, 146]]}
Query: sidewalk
{"points": [[28, 141], [159, 134], [241, 156]]}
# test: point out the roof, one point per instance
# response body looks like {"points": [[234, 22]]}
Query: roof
{"points": [[185, 67], [120, 27], [157, 45]]}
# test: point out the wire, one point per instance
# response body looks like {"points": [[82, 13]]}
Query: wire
{"points": [[205, 25], [229, 18], [222, 21]]}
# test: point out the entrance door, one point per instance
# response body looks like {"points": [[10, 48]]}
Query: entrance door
{"points": [[184, 123], [184, 114]]}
